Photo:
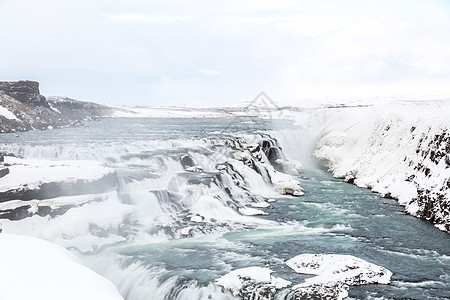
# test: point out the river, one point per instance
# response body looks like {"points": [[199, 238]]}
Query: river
{"points": [[157, 262]]}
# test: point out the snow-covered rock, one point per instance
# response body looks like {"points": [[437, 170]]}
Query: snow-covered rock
{"points": [[242, 156], [284, 183], [401, 150], [267, 159], [334, 274], [36, 269], [289, 188], [186, 230], [196, 219], [42, 179], [92, 222], [254, 282]]}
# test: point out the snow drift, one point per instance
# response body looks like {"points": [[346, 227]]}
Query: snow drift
{"points": [[36, 269]]}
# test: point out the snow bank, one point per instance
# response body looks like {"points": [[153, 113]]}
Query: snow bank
{"points": [[334, 274], [36, 269], [400, 150]]}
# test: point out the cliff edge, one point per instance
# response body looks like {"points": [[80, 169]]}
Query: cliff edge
{"points": [[23, 108], [401, 150]]}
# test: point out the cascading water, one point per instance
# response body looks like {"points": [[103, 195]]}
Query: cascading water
{"points": [[195, 202]]}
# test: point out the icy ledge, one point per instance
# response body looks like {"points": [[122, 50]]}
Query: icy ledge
{"points": [[334, 276], [36, 269], [29, 179]]}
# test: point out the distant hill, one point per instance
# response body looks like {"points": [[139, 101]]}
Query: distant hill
{"points": [[23, 108]]}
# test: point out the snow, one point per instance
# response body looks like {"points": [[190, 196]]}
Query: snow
{"points": [[32, 173], [289, 187], [186, 230], [248, 211], [260, 205], [36, 269], [7, 113], [234, 280], [196, 219], [170, 112], [52, 107], [284, 183], [336, 272], [335, 267], [395, 149], [242, 156]]}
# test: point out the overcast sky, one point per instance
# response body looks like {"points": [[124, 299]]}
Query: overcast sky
{"points": [[214, 53]]}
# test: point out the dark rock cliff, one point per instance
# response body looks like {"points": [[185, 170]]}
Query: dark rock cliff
{"points": [[25, 91], [23, 108]]}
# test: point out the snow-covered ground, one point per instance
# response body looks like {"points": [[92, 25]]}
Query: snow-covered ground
{"points": [[36, 269], [257, 110], [400, 149], [170, 112]]}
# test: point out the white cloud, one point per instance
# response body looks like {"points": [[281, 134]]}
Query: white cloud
{"points": [[144, 18], [165, 52], [210, 72]]}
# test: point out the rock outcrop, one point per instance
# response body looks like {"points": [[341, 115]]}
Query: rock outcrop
{"points": [[27, 92], [23, 108]]}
